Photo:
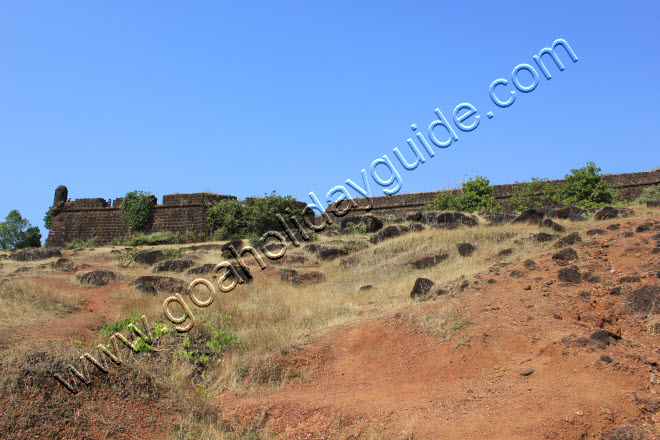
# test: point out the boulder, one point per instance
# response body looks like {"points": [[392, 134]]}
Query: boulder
{"points": [[237, 244], [421, 288], [497, 218], [571, 213], [173, 266], [453, 220], [529, 264], [152, 284], [568, 240], [644, 300], [624, 433], [570, 274], [465, 249], [566, 254], [366, 288], [644, 227], [543, 237], [429, 261], [202, 270], [32, 254], [329, 253], [308, 278], [372, 224], [613, 227], [414, 216], [529, 216], [596, 231], [388, 232], [149, 257], [547, 223], [287, 274], [610, 212], [505, 252], [97, 278], [653, 204]]}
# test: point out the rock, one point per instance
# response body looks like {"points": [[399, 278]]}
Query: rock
{"points": [[653, 204], [571, 213], [453, 220], [22, 269], [609, 212], [308, 278], [497, 218], [542, 237], [505, 252], [151, 284], [149, 257], [64, 265], [547, 223], [32, 254], [530, 216], [97, 278], [568, 240], [429, 261], [389, 232], [566, 254], [329, 253], [655, 250], [605, 358], [515, 274], [366, 288], [414, 216], [428, 217], [173, 266], [203, 247], [626, 234], [287, 274], [644, 227], [236, 243], [630, 279], [591, 278], [492, 281], [202, 270], [349, 261], [529, 264], [644, 300], [421, 288], [416, 227], [593, 232], [570, 274], [655, 237], [624, 433], [372, 224], [465, 249], [601, 336], [616, 291], [527, 372], [613, 227]]}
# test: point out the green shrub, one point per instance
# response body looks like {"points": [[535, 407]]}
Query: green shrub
{"points": [[80, 244], [253, 216], [586, 188], [137, 209], [535, 194], [476, 195], [17, 232], [172, 254], [649, 194], [48, 218]]}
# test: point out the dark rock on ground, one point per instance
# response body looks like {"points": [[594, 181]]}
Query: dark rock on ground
{"points": [[529, 264], [613, 227], [591, 278], [429, 261], [624, 433], [173, 266], [416, 227], [568, 240], [566, 254], [653, 204], [414, 216], [237, 244], [152, 284], [497, 218], [204, 247], [421, 288], [527, 372], [33, 254], [601, 336], [149, 257], [543, 237], [644, 300], [505, 252], [530, 216], [372, 224], [287, 274], [606, 358], [616, 291], [389, 232], [308, 278], [610, 212], [97, 278], [465, 249], [630, 279], [644, 227], [570, 274], [329, 253], [627, 234], [366, 288], [202, 270], [656, 250], [596, 231], [547, 223], [452, 220], [515, 274], [571, 213]]}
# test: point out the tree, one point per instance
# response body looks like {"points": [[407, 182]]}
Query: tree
{"points": [[137, 210], [586, 188], [476, 194], [17, 232]]}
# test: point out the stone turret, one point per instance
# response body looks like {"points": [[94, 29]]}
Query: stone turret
{"points": [[61, 194]]}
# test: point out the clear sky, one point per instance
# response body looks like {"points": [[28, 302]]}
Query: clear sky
{"points": [[250, 97]]}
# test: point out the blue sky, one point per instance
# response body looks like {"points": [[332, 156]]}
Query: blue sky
{"points": [[250, 97]]}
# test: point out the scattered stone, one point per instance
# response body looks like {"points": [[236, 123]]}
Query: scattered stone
{"points": [[592, 232], [237, 244], [414, 216], [466, 249], [97, 278], [202, 270], [441, 292], [601, 335], [606, 358], [421, 288], [566, 254], [530, 216], [568, 240], [515, 274], [656, 250], [609, 212], [308, 278], [527, 372], [630, 279], [616, 291], [497, 218], [173, 266], [547, 223], [572, 213], [624, 433], [366, 288], [543, 237], [653, 204], [453, 220], [430, 261], [330, 253], [584, 294], [416, 227], [505, 252], [613, 227], [22, 269], [152, 284], [491, 281], [372, 224], [388, 232], [33, 254], [149, 257], [644, 300], [644, 227], [570, 274], [529, 264], [591, 278], [626, 234]]}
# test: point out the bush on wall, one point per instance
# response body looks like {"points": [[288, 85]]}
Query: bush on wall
{"points": [[476, 195], [137, 210]]}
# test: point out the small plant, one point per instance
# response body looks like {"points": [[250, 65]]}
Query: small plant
{"points": [[137, 210], [650, 194], [476, 194], [389, 218], [535, 194], [586, 188], [81, 244], [172, 254]]}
